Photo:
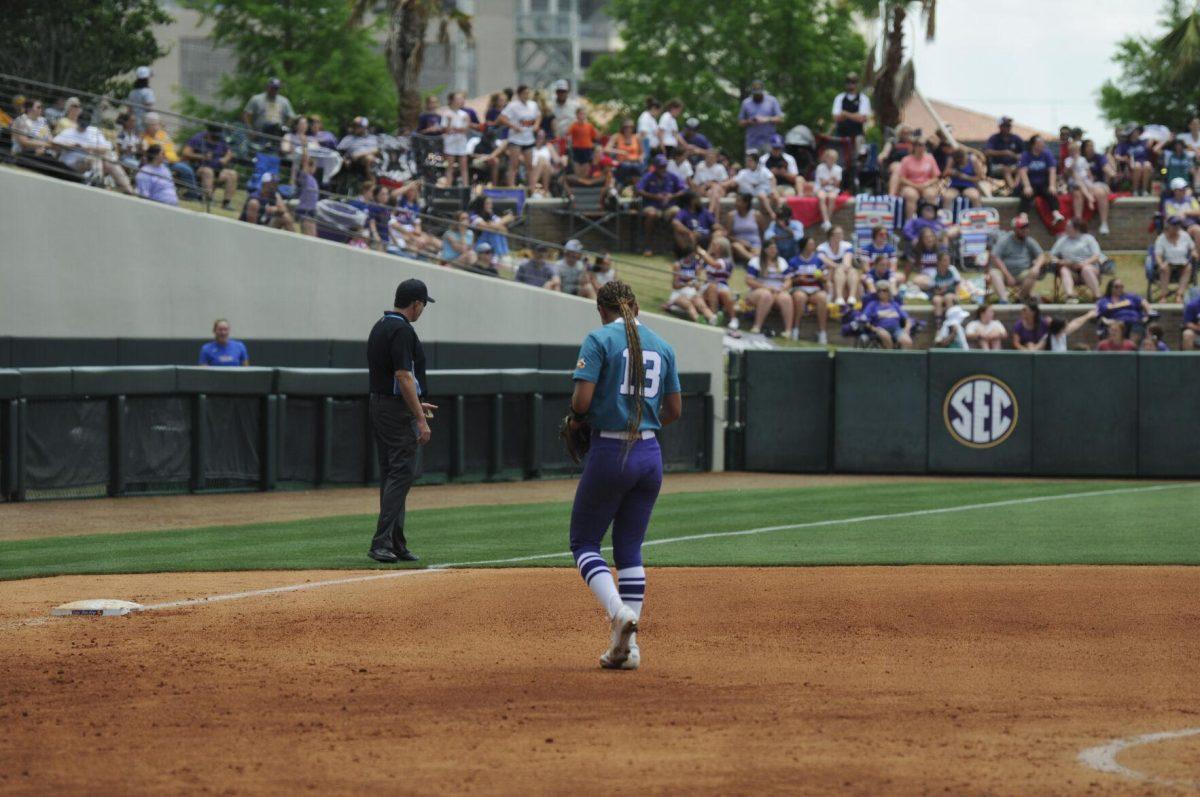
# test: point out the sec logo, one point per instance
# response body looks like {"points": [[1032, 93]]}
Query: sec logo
{"points": [[980, 411]]}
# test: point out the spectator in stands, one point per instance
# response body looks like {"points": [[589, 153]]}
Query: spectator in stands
{"points": [[668, 126], [1178, 162], [851, 112], [1191, 140], [1116, 339], [783, 167], [879, 245], [786, 232], [685, 288], [1060, 331], [31, 132], [647, 129], [545, 164], [1077, 254], [1155, 339], [564, 108], [695, 142], [212, 156], [584, 138], [745, 228], [1087, 194], [679, 165], [710, 178], [626, 149], [693, 225], [318, 133], [294, 142], [922, 257], [759, 114], [1003, 149], [83, 148], [756, 180], [17, 107], [267, 206], [490, 227], [828, 180], [943, 285], [895, 149], [308, 193], [1183, 206], [360, 147], [1174, 252], [837, 255], [1191, 325], [572, 271], [69, 120], [269, 111], [1126, 309], [916, 178], [886, 319], [769, 279], [430, 121], [1103, 172], [222, 350], [718, 267], [456, 125], [537, 272], [379, 211], [458, 243], [1037, 173], [602, 271], [882, 269], [1016, 260], [1131, 156], [485, 262], [984, 331], [141, 98], [965, 172], [522, 118], [1032, 330], [129, 141], [926, 218], [405, 225], [661, 192], [153, 133], [154, 179], [597, 174], [375, 218], [951, 334], [810, 288]]}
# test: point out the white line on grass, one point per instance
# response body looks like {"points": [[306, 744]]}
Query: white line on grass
{"points": [[1103, 758], [254, 593]]}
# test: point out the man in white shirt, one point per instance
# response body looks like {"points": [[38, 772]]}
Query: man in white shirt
{"points": [[851, 110], [757, 181], [681, 167], [360, 146], [647, 129], [522, 117], [668, 126], [563, 107], [83, 147], [783, 166], [710, 180]]}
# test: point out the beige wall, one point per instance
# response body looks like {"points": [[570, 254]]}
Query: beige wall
{"points": [[83, 262]]}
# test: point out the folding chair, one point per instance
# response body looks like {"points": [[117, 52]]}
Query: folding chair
{"points": [[446, 201], [977, 228], [586, 204], [265, 163], [508, 200], [871, 211]]}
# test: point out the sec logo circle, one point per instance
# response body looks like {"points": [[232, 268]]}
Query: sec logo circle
{"points": [[980, 411]]}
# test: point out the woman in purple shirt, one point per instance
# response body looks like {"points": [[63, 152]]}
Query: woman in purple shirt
{"points": [[1126, 308], [1031, 331]]}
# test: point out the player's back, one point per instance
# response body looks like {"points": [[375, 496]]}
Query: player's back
{"points": [[604, 360]]}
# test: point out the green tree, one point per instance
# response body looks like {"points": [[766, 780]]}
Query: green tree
{"points": [[82, 44], [800, 50], [1158, 73], [327, 65]]}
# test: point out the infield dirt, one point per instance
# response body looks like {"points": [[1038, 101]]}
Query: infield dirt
{"points": [[916, 680]]}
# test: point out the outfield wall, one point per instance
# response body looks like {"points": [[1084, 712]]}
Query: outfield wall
{"points": [[994, 413], [82, 263]]}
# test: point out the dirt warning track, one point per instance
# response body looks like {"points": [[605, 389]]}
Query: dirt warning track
{"points": [[820, 680]]}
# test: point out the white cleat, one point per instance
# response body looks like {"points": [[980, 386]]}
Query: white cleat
{"points": [[624, 626]]}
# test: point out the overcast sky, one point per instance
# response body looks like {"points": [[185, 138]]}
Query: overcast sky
{"points": [[1039, 61]]}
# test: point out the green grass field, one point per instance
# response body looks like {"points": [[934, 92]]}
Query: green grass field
{"points": [[1123, 523]]}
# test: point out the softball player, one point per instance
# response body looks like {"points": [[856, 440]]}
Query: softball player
{"points": [[627, 388]]}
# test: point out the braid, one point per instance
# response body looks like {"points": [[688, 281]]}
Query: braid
{"points": [[617, 297]]}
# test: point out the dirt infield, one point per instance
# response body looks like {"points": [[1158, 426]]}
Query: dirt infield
{"points": [[108, 515], [824, 680]]}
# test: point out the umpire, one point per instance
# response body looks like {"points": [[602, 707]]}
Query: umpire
{"points": [[398, 416]]}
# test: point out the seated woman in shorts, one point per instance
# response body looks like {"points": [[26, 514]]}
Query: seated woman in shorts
{"points": [[685, 288], [837, 256], [770, 287], [810, 288], [718, 267], [922, 259], [984, 331]]}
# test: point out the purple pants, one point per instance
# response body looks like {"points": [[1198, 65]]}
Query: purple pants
{"points": [[618, 491]]}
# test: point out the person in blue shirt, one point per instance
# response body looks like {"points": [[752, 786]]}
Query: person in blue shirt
{"points": [[1037, 176], [888, 320], [223, 351], [693, 225], [660, 191], [1191, 325], [1127, 308], [880, 244], [696, 142], [627, 388], [880, 273], [1131, 157]]}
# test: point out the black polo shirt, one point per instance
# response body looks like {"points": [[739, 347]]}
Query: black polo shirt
{"points": [[394, 346]]}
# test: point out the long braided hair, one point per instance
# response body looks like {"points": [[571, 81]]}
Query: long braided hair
{"points": [[617, 297]]}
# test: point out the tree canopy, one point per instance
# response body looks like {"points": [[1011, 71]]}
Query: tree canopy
{"points": [[327, 64], [800, 50], [1159, 73], [82, 44]]}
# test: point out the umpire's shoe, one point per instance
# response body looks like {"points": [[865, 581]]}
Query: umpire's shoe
{"points": [[384, 555]]}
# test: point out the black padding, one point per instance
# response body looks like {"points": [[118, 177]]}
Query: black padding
{"points": [[321, 381], [1085, 414], [348, 465], [965, 438], [353, 353], [5, 352], [10, 383], [290, 353], [557, 357], [158, 351], [684, 443], [787, 409], [225, 381], [880, 411], [529, 381], [46, 382], [477, 437], [234, 432], [464, 383], [300, 437], [488, 356], [129, 381], [697, 383], [1169, 414], [66, 444], [156, 455], [56, 352]]}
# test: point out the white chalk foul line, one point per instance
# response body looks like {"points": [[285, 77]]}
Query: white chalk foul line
{"points": [[254, 593], [1103, 758]]}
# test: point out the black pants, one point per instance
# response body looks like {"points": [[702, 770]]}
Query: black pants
{"points": [[1042, 191], [396, 436]]}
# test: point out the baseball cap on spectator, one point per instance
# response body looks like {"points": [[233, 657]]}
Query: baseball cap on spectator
{"points": [[268, 177], [851, 77], [1178, 183], [957, 315], [756, 85], [360, 121], [1176, 221], [573, 245], [412, 290], [274, 83], [484, 248], [73, 101], [151, 118], [692, 122], [660, 161], [562, 85], [776, 141], [1005, 120], [751, 150], [1020, 220], [142, 72]]}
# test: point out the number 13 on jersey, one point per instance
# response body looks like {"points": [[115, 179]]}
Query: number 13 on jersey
{"points": [[652, 362]]}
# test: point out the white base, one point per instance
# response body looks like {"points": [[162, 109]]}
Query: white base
{"points": [[103, 607]]}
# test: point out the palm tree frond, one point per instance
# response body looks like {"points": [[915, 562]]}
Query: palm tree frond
{"points": [[929, 11], [906, 81]]}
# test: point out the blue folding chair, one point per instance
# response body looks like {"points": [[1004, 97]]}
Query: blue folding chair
{"points": [[265, 163]]}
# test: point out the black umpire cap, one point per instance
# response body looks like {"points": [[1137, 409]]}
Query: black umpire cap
{"points": [[410, 291]]}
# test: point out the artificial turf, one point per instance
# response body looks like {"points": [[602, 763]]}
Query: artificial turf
{"points": [[1133, 526]]}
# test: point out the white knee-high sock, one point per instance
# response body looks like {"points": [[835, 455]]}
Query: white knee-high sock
{"points": [[599, 579], [632, 581]]}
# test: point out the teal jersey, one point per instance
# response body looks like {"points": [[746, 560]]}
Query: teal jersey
{"points": [[604, 361]]}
